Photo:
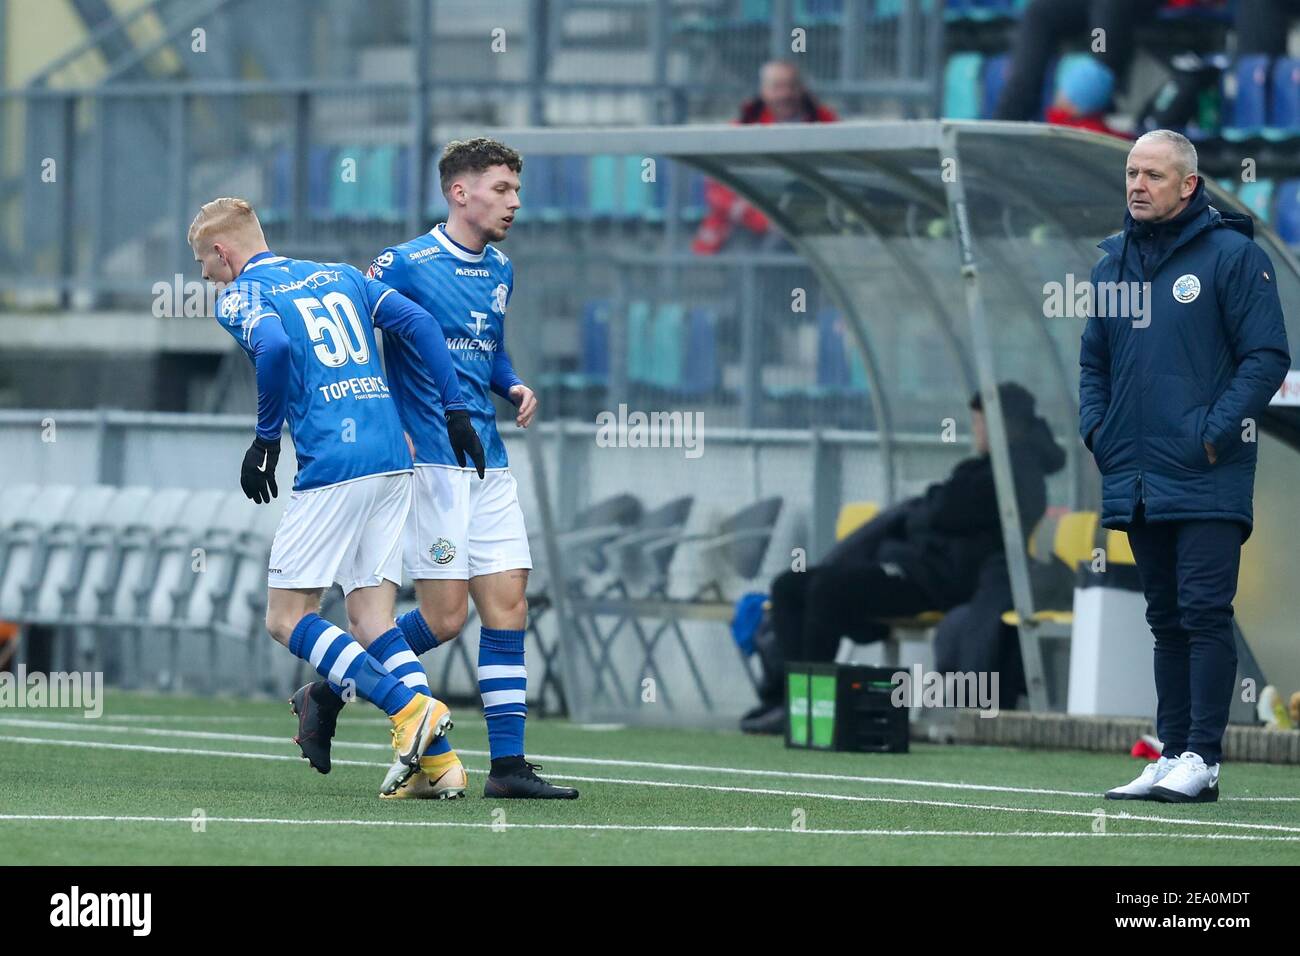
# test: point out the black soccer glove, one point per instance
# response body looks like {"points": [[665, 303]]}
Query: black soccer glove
{"points": [[464, 440], [257, 475]]}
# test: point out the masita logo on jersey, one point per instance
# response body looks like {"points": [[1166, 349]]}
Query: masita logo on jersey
{"points": [[319, 278], [481, 273]]}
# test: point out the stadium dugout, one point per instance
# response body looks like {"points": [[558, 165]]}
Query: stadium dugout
{"points": [[986, 233]]}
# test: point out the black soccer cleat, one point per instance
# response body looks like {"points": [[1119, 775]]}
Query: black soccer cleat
{"points": [[518, 782], [317, 708]]}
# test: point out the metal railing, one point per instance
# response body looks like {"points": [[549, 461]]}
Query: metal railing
{"points": [[97, 183]]}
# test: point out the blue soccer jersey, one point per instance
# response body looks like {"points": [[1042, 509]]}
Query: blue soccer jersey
{"points": [[308, 328], [467, 292]]}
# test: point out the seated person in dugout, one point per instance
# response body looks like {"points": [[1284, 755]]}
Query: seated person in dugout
{"points": [[929, 553]]}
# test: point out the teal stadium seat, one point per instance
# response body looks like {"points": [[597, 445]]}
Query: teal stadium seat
{"points": [[345, 196], [668, 346], [604, 176], [640, 362], [963, 86], [635, 197], [1258, 198]]}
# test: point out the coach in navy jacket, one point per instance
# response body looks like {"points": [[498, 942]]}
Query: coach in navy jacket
{"points": [[1184, 347]]}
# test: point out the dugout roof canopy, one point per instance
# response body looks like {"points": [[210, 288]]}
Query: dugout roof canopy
{"points": [[955, 251]]}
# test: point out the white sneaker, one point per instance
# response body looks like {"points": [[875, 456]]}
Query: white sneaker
{"points": [[1140, 789], [1191, 781]]}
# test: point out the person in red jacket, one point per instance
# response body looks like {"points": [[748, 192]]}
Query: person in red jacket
{"points": [[782, 98], [1082, 94]]}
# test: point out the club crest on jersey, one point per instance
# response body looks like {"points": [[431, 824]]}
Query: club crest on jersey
{"points": [[1187, 288], [442, 551], [499, 295], [231, 305]]}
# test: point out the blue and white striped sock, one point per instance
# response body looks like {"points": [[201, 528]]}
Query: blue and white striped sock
{"points": [[395, 655], [503, 684], [416, 631], [338, 658]]}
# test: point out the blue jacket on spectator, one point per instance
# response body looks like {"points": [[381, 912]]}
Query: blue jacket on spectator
{"points": [[1202, 358]]}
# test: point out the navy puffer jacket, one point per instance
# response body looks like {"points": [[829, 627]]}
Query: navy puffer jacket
{"points": [[1209, 351]]}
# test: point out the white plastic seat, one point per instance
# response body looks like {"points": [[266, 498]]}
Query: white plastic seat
{"points": [[60, 553], [99, 556], [22, 542]]}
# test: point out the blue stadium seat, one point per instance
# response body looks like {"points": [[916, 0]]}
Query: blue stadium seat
{"points": [[813, 12], [1287, 204], [702, 372], [278, 188], [538, 194], [1245, 98], [574, 186], [320, 167], [979, 9], [1207, 11], [696, 205], [962, 86], [996, 70], [839, 366], [1258, 198], [1049, 85], [595, 341], [1284, 107]]}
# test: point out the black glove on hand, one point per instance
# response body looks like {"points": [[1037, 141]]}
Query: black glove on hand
{"points": [[257, 475], [464, 440]]}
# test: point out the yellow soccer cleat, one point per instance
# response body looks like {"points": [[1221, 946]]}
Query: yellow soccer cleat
{"points": [[439, 778], [414, 727]]}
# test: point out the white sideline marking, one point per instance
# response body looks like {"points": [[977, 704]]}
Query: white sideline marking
{"points": [[605, 762], [758, 791], [634, 827], [246, 718]]}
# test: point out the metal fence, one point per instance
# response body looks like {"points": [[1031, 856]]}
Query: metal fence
{"points": [[810, 473], [102, 166]]}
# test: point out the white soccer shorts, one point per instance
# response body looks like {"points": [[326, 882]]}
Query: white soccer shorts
{"points": [[348, 534], [461, 526]]}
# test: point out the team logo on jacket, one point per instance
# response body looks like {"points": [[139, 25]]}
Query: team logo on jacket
{"points": [[1187, 288], [442, 551], [499, 299]]}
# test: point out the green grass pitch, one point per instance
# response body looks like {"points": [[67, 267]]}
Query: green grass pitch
{"points": [[127, 789]]}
